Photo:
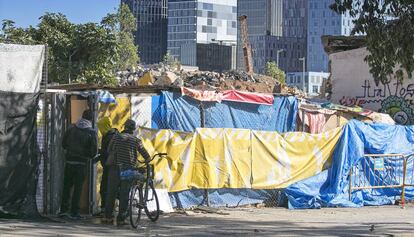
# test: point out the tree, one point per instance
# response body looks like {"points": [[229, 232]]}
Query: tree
{"points": [[272, 70], [389, 34], [170, 60], [123, 24], [86, 53]]}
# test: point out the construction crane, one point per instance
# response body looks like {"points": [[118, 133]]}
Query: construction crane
{"points": [[247, 48]]}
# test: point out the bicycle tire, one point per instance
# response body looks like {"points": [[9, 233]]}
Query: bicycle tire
{"points": [[135, 207], [153, 215]]}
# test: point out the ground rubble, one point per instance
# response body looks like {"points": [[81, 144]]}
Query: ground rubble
{"points": [[164, 75]]}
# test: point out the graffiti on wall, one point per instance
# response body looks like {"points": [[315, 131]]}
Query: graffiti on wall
{"points": [[394, 98]]}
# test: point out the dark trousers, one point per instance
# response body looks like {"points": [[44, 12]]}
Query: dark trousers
{"points": [[74, 177], [104, 185], [115, 184]]}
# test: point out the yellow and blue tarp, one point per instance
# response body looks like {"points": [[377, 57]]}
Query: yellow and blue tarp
{"points": [[330, 187], [216, 158]]}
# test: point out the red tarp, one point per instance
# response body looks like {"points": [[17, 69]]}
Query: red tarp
{"points": [[229, 95]]}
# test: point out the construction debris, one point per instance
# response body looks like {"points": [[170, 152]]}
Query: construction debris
{"points": [[208, 210], [163, 75]]}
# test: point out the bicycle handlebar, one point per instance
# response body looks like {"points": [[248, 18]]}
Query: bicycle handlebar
{"points": [[153, 157]]}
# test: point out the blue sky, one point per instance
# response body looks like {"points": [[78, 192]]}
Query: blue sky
{"points": [[27, 12]]}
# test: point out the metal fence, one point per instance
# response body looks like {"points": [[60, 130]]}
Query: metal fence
{"points": [[382, 171]]}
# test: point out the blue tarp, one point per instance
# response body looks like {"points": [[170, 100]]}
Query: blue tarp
{"points": [[330, 188], [225, 197], [183, 113]]}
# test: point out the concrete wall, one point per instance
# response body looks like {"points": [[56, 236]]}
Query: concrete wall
{"points": [[353, 84]]}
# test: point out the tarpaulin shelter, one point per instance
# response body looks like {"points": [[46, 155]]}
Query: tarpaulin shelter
{"points": [[330, 188], [316, 117], [19, 97], [186, 124]]}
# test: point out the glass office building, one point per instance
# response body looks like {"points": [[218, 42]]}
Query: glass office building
{"points": [[323, 21], [292, 27], [192, 22], [274, 25], [151, 35]]}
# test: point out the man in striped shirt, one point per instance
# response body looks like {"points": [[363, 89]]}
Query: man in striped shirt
{"points": [[125, 146]]}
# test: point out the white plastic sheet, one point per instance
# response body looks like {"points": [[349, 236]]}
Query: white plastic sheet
{"points": [[21, 67]]}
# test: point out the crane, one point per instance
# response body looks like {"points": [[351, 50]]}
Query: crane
{"points": [[247, 48]]}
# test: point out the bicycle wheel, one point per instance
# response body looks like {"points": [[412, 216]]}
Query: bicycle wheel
{"points": [[152, 205], [135, 208]]}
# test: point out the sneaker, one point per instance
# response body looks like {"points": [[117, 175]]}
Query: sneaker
{"points": [[76, 217], [64, 215]]}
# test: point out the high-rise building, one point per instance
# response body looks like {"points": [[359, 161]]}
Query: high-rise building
{"points": [[277, 30], [192, 22], [323, 21], [151, 35], [288, 30]]}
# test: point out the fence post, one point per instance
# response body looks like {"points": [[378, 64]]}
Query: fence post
{"points": [[202, 125], [403, 184], [350, 184]]}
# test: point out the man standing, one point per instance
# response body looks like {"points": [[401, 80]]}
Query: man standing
{"points": [[80, 143], [124, 147], [105, 127]]}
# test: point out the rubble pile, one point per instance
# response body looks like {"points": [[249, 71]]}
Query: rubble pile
{"points": [[164, 75]]}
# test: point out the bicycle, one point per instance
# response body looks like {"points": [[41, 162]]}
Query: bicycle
{"points": [[147, 198]]}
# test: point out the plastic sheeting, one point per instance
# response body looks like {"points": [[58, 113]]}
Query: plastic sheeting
{"points": [[141, 110], [240, 159], [18, 152], [330, 188], [119, 112], [21, 67], [183, 113]]}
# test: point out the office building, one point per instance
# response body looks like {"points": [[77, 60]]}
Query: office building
{"points": [[216, 57], [323, 21], [294, 29], [193, 22], [277, 29], [313, 81], [151, 35]]}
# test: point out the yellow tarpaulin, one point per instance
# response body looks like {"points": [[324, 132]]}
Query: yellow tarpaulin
{"points": [[119, 112], [175, 171], [280, 160], [221, 158], [213, 158]]}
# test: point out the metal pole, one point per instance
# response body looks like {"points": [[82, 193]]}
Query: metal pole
{"points": [[403, 181], [277, 56], [303, 76], [45, 151], [202, 125], [277, 59], [350, 184]]}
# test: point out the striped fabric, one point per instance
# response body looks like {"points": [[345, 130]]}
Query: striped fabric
{"points": [[127, 147]]}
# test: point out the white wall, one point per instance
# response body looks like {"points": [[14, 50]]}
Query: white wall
{"points": [[353, 84]]}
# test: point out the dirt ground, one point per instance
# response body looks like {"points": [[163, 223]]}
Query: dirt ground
{"points": [[368, 221]]}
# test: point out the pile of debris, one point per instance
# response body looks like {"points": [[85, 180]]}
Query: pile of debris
{"points": [[164, 75]]}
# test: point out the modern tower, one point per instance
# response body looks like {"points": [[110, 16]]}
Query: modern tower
{"points": [[323, 21], [194, 23], [151, 35], [277, 30]]}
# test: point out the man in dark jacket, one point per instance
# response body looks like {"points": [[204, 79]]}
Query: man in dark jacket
{"points": [[105, 128], [80, 143], [126, 147]]}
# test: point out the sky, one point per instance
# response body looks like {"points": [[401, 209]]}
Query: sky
{"points": [[27, 12]]}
